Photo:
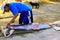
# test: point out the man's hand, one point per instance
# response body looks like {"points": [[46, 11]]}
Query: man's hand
{"points": [[8, 25], [13, 19]]}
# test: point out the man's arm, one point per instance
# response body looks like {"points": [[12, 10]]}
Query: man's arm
{"points": [[13, 19]]}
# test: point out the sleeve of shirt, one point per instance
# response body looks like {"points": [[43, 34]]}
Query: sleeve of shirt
{"points": [[14, 9]]}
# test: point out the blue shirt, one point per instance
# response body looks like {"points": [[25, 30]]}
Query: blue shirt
{"points": [[18, 7]]}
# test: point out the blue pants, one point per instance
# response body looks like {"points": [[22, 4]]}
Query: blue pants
{"points": [[23, 19]]}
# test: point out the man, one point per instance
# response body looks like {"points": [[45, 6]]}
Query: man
{"points": [[25, 11]]}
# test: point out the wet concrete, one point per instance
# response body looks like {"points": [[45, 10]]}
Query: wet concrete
{"points": [[48, 34]]}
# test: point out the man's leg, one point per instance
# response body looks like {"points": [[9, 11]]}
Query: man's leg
{"points": [[20, 19], [31, 16], [25, 18]]}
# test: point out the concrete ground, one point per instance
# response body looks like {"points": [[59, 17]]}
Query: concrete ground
{"points": [[48, 34]]}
